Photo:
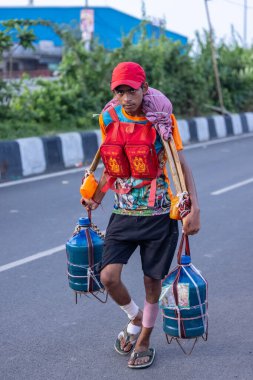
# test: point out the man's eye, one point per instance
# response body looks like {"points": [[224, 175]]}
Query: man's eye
{"points": [[132, 91], [120, 92]]}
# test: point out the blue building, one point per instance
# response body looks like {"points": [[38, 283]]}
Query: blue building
{"points": [[106, 24]]}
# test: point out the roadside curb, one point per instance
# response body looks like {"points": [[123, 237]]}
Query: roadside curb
{"points": [[36, 155]]}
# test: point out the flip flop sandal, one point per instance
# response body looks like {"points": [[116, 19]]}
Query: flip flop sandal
{"points": [[136, 355], [129, 338]]}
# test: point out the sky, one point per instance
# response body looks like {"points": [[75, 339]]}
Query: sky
{"points": [[182, 16]]}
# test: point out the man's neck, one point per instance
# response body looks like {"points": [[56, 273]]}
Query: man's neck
{"points": [[137, 113]]}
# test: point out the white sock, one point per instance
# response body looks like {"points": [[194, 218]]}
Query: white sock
{"points": [[133, 329], [131, 310]]}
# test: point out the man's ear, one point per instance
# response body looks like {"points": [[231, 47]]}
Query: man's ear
{"points": [[145, 87]]}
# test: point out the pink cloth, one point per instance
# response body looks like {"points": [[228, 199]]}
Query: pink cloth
{"points": [[157, 108], [150, 312]]}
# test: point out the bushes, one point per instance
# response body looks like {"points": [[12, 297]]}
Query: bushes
{"points": [[82, 86], [235, 69]]}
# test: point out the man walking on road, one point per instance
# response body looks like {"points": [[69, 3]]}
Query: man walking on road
{"points": [[133, 156]]}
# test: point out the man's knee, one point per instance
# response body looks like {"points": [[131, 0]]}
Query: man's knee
{"points": [[109, 277], [153, 288]]}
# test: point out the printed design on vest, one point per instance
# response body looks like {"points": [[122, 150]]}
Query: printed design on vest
{"points": [[139, 164], [113, 164]]}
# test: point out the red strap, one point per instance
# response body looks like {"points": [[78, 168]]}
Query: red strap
{"points": [[89, 213], [90, 258], [177, 311], [116, 123], [174, 285], [185, 240], [110, 185], [187, 246], [151, 199], [113, 114]]}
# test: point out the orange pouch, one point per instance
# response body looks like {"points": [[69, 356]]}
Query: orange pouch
{"points": [[88, 187], [174, 209], [143, 160], [115, 160]]}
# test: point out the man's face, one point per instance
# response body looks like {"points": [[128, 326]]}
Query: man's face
{"points": [[131, 99]]}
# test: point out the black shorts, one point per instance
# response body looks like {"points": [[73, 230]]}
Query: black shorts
{"points": [[156, 235]]}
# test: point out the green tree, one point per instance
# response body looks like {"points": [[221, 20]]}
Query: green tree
{"points": [[82, 87]]}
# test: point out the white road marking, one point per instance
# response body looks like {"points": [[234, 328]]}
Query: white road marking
{"points": [[28, 259], [232, 187], [36, 256], [219, 141], [44, 176], [40, 177], [76, 170]]}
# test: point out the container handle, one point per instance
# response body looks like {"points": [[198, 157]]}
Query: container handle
{"points": [[89, 213], [185, 240]]}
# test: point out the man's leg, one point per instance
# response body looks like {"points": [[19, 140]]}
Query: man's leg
{"points": [[153, 290], [111, 278]]}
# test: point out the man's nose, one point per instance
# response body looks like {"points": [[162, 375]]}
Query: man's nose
{"points": [[126, 96]]}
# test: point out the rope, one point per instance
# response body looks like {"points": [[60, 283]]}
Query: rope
{"points": [[82, 266], [97, 230], [198, 272], [184, 308], [198, 295], [182, 319], [94, 227]]}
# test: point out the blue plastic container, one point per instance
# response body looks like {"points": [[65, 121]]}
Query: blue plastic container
{"points": [[183, 301], [84, 254]]}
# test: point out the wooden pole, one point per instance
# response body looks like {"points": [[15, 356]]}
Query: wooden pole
{"points": [[177, 164], [95, 161], [173, 169]]}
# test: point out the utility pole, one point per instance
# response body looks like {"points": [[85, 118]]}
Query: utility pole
{"points": [[143, 10], [245, 23], [215, 67]]}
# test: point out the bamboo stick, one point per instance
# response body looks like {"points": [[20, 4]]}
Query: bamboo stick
{"points": [[177, 163], [172, 166], [95, 161]]}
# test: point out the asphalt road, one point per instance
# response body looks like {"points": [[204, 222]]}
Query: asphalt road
{"points": [[44, 335]]}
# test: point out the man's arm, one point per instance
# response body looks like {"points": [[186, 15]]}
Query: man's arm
{"points": [[97, 198], [191, 222]]}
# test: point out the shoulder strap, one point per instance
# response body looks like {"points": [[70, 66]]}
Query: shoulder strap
{"points": [[116, 122], [113, 114]]}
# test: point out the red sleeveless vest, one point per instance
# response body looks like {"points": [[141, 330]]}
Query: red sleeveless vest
{"points": [[129, 150]]}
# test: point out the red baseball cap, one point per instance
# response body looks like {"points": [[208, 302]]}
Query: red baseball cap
{"points": [[129, 74]]}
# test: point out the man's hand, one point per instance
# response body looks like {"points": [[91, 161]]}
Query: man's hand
{"points": [[89, 204], [95, 201], [191, 222]]}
